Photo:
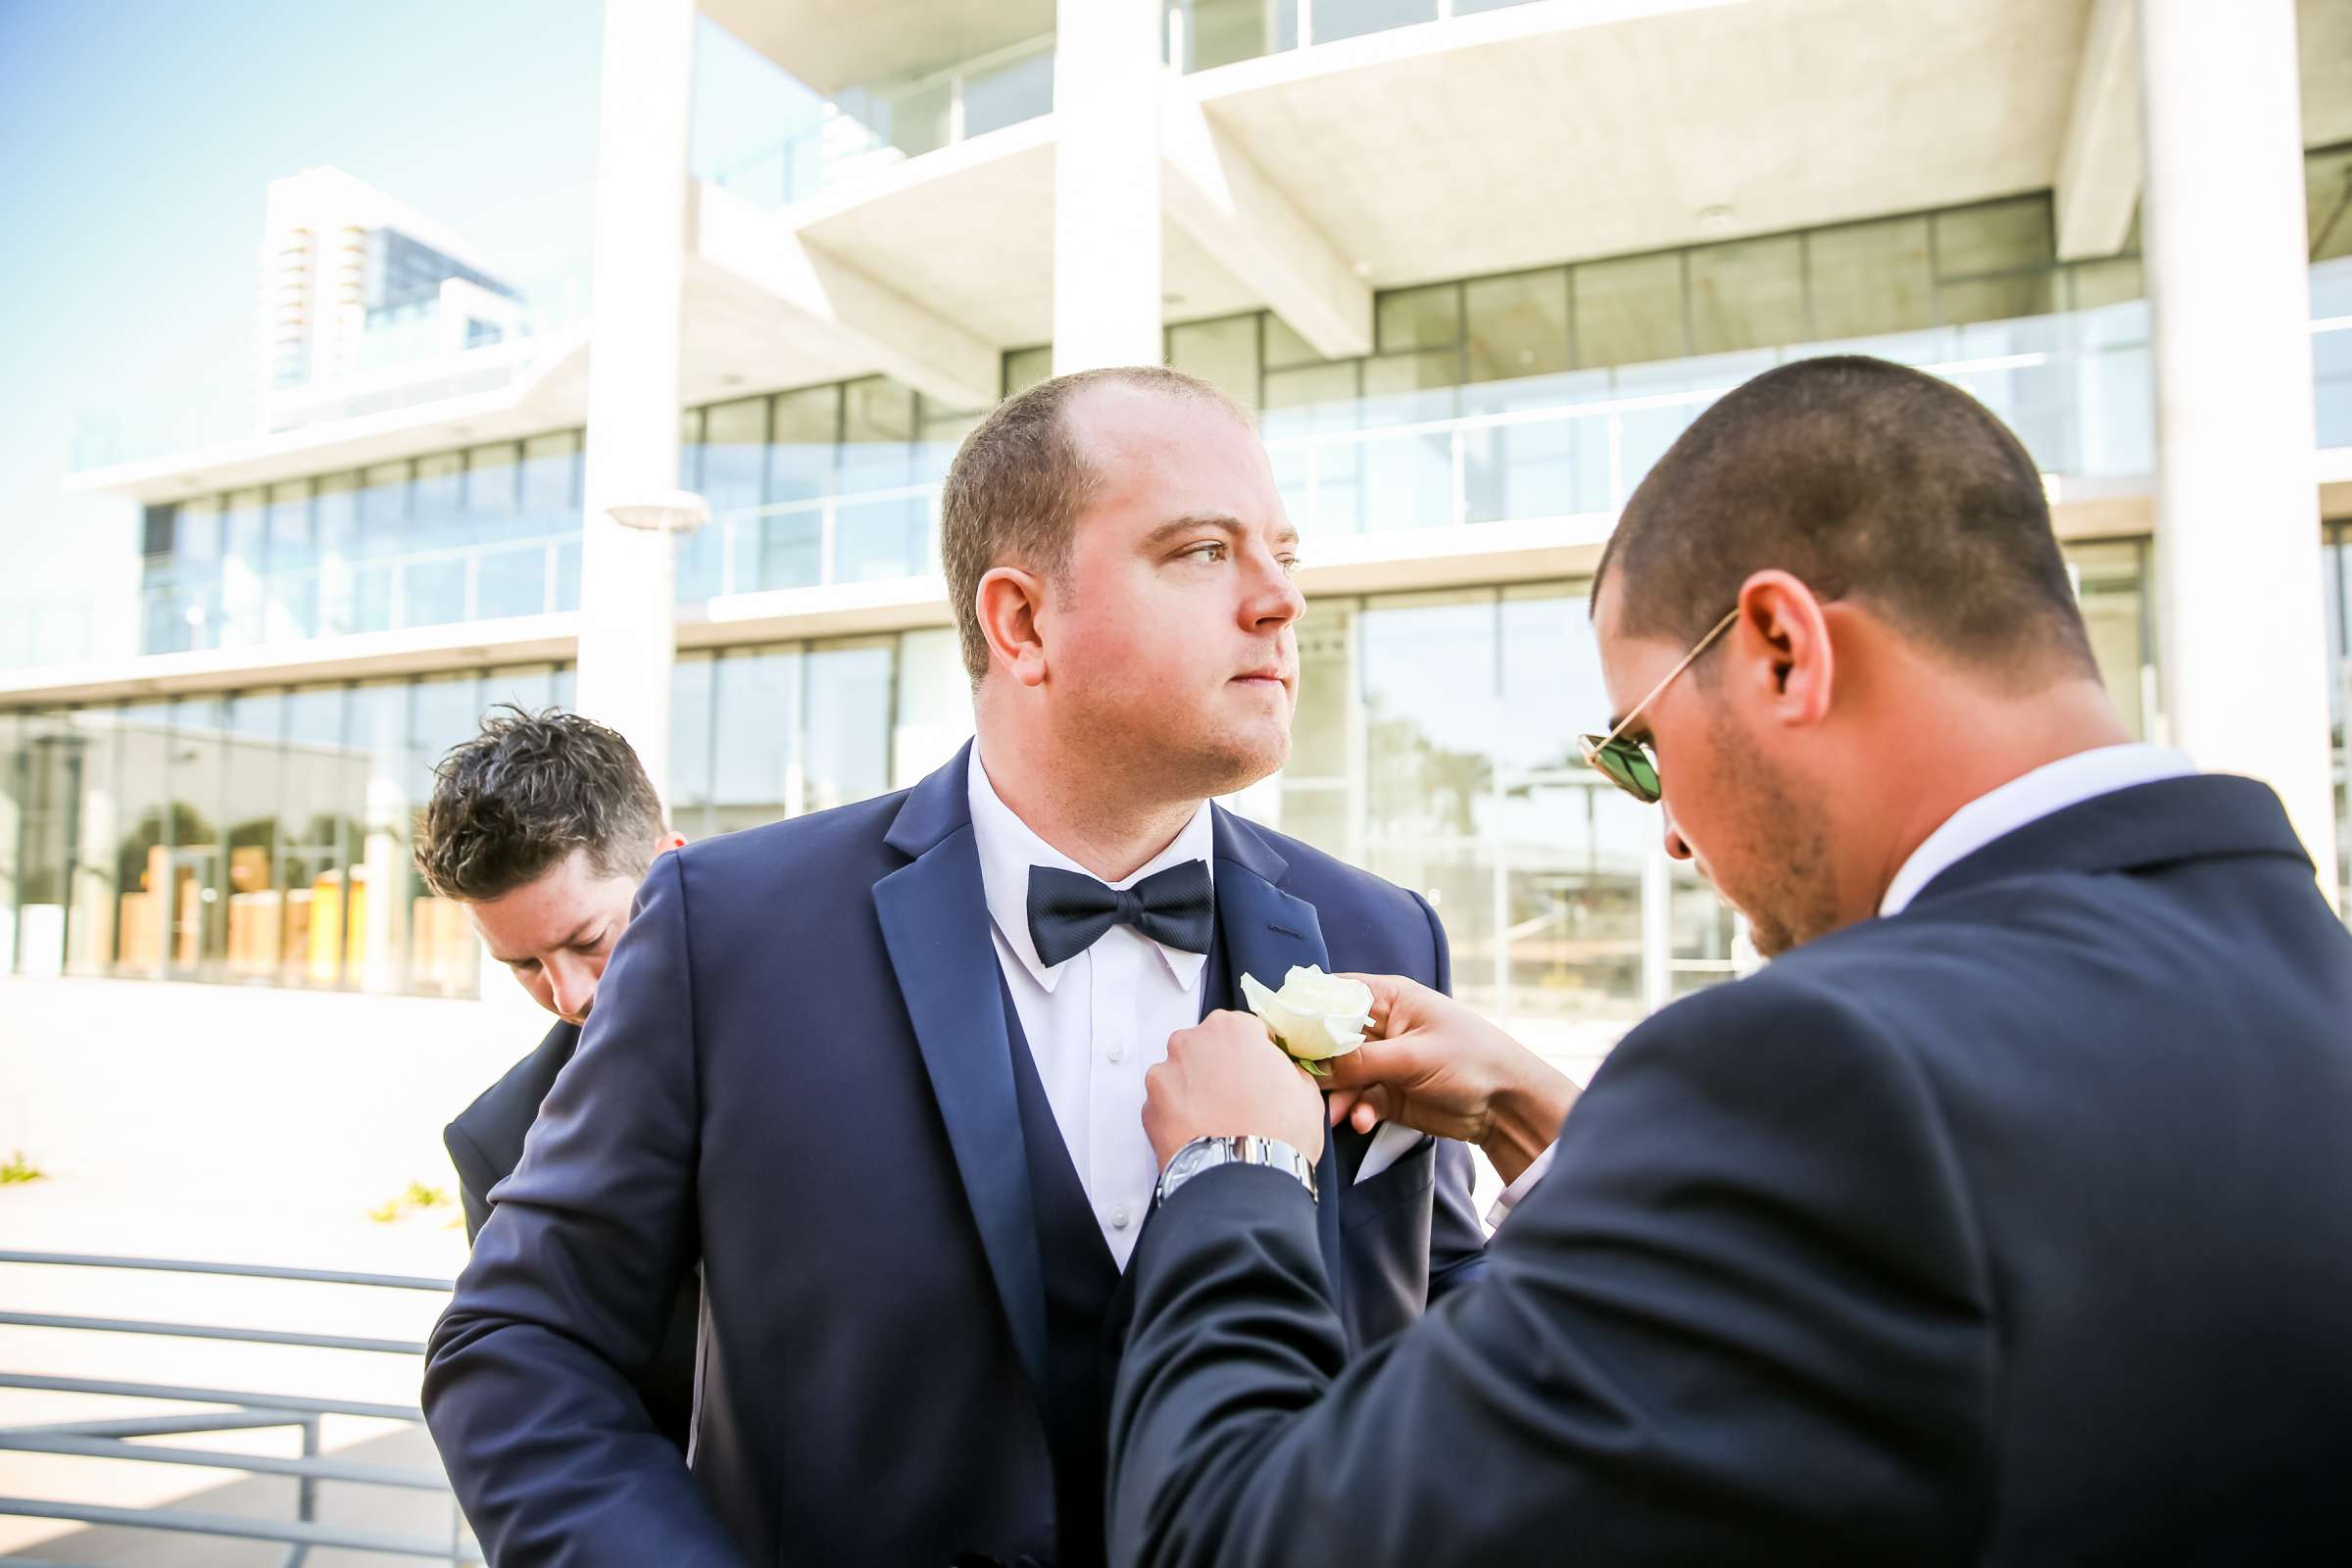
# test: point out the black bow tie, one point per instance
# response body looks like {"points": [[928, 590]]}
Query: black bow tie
{"points": [[1068, 911]]}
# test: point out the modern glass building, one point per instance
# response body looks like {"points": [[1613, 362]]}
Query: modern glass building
{"points": [[1474, 264]]}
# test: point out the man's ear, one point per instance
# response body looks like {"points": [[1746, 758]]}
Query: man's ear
{"points": [[1781, 644], [1010, 601]]}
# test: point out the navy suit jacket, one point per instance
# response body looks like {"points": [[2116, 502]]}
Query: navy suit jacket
{"points": [[485, 1144], [798, 1070], [2013, 1228]]}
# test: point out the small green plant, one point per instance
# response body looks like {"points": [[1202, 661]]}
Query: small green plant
{"points": [[417, 1199], [18, 1170]]}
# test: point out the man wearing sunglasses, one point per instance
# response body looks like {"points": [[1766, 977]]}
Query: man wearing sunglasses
{"points": [[2005, 1216]]}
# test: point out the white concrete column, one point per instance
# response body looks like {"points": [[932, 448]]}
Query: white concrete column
{"points": [[2243, 639], [628, 575], [1106, 268]]}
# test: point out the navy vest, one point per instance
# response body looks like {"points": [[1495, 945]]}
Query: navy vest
{"points": [[1082, 1283]]}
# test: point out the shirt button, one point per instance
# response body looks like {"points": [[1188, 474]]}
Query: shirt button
{"points": [[1116, 1051], [1119, 1216]]}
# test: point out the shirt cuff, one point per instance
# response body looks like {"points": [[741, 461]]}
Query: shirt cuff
{"points": [[1519, 1189]]}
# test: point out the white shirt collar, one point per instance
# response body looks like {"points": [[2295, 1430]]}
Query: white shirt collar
{"points": [[2028, 798], [1009, 846]]}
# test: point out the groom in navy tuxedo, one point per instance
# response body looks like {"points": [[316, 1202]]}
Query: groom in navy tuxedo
{"points": [[881, 1070]]}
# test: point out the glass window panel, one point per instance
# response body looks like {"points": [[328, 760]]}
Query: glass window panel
{"points": [[337, 522], [1008, 93], [48, 789], [1428, 671], [934, 705], [76, 781], [1999, 237], [321, 801], [290, 591], [1517, 325], [1218, 32], [1629, 311], [377, 720], [845, 698], [529, 687], [253, 729], [1748, 294], [941, 433], [1395, 376], [1026, 368], [2328, 203], [1868, 278], [1995, 299], [1313, 385], [733, 470], [196, 909], [1322, 729], [757, 728], [445, 956], [437, 501], [2092, 285], [12, 823], [384, 509], [1285, 347], [1351, 18], [2110, 590], [690, 741], [551, 481], [1419, 319], [807, 429], [141, 850], [1572, 849], [1224, 354], [915, 119], [492, 498]]}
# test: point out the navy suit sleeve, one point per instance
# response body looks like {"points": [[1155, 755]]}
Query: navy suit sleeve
{"points": [[1745, 1317], [528, 1377], [1457, 1239], [474, 1178]]}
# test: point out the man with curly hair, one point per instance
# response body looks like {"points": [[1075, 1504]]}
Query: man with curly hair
{"points": [[542, 826]]}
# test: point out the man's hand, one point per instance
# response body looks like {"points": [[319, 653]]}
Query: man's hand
{"points": [[1435, 1065], [1226, 1078]]}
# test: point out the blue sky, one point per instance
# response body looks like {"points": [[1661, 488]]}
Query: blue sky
{"points": [[141, 138]]}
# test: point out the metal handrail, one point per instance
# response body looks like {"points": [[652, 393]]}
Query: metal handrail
{"points": [[109, 1437], [250, 1271]]}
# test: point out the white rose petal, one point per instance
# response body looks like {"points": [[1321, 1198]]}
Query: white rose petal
{"points": [[1315, 1015]]}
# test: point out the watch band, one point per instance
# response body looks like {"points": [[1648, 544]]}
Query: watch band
{"points": [[1206, 1154]]}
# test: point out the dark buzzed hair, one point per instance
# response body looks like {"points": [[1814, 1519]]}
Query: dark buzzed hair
{"points": [[1867, 481], [1018, 483], [519, 797]]}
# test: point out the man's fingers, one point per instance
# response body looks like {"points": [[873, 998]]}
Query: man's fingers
{"points": [[1390, 993]]}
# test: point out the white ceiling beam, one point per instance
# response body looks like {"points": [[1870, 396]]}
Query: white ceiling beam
{"points": [[2099, 162], [1225, 203], [831, 298]]}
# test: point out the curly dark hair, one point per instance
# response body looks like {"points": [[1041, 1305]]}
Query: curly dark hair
{"points": [[523, 794]]}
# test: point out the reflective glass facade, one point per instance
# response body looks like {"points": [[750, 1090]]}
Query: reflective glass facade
{"points": [[262, 836], [823, 484], [477, 534]]}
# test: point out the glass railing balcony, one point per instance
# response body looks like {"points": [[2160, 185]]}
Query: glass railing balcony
{"points": [[865, 131], [1205, 33], [864, 536], [336, 598], [2075, 387]]}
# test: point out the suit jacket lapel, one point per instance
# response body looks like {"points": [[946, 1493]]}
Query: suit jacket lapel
{"points": [[1265, 932], [935, 924]]}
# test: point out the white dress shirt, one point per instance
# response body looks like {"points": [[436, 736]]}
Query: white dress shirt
{"points": [[1096, 1022], [1995, 815]]}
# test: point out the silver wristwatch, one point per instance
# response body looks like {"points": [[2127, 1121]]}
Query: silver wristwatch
{"points": [[1202, 1154]]}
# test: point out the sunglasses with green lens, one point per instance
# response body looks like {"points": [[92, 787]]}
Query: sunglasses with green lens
{"points": [[1629, 763]]}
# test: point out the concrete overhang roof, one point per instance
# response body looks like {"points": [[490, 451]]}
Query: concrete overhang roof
{"points": [[833, 44]]}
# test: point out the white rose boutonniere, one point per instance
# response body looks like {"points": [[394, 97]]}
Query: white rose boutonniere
{"points": [[1314, 1016]]}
